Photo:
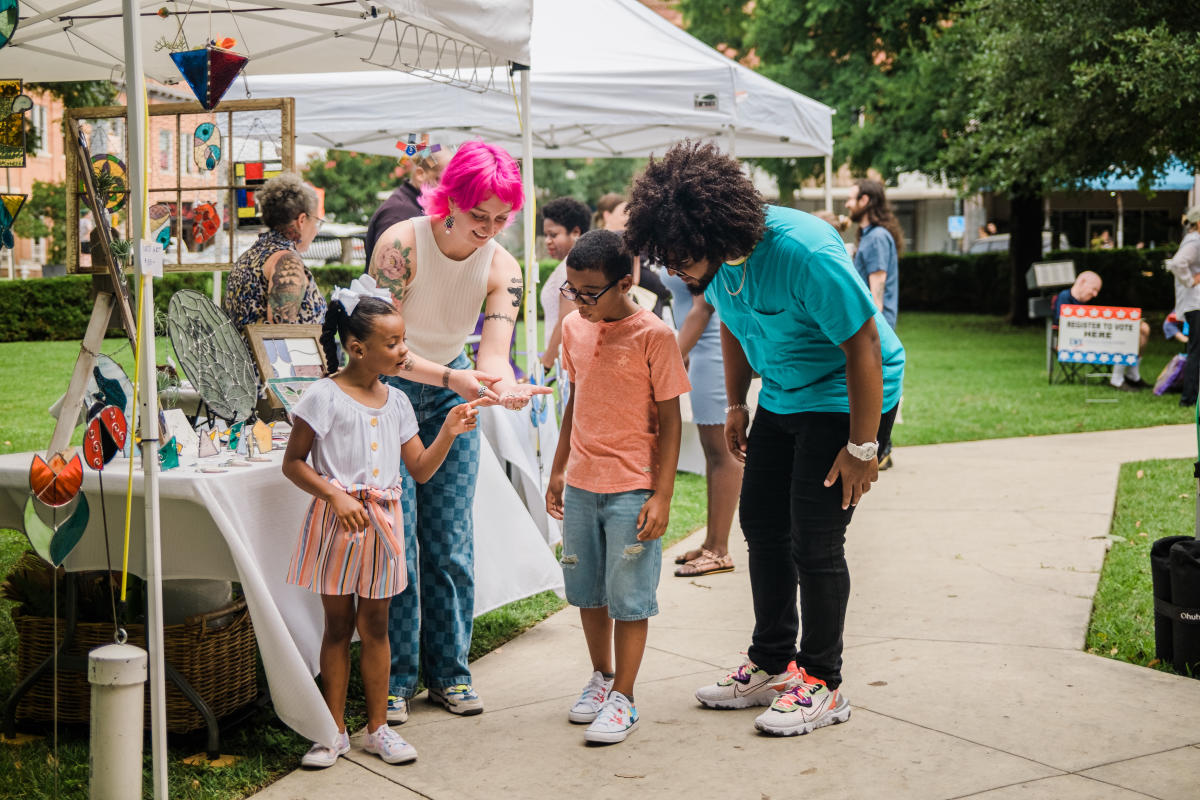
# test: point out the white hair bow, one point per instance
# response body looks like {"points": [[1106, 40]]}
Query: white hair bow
{"points": [[364, 286]]}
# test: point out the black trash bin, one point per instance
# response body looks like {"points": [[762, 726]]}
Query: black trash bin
{"points": [[1185, 596], [1160, 574]]}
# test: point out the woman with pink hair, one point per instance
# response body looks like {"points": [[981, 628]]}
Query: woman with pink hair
{"points": [[441, 269]]}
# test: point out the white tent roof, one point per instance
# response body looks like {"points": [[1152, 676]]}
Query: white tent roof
{"points": [[60, 40], [609, 78]]}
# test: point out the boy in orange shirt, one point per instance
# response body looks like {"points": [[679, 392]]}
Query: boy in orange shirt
{"points": [[614, 472]]}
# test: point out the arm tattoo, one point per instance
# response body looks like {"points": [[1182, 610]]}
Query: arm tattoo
{"points": [[287, 289], [517, 290], [393, 268], [446, 379], [502, 317]]}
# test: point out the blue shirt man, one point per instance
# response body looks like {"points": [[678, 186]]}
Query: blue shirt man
{"points": [[877, 253]]}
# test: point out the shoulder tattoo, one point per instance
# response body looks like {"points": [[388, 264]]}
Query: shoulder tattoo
{"points": [[288, 286], [392, 268]]}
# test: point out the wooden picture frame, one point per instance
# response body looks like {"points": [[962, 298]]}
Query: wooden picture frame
{"points": [[297, 346]]}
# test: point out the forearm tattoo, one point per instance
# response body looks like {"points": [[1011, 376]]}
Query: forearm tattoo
{"points": [[446, 379], [392, 268], [517, 290], [502, 318], [287, 288]]}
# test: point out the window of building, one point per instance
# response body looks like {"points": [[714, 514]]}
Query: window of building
{"points": [[39, 117], [166, 162]]}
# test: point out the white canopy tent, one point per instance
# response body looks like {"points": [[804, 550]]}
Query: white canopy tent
{"points": [[610, 78], [460, 42]]}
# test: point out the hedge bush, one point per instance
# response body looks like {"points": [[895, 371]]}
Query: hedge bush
{"points": [[40, 309]]}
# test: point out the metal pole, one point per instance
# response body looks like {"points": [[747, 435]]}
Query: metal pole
{"points": [[829, 182], [135, 132], [531, 265]]}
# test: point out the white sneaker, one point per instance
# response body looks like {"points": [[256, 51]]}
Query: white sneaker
{"points": [[746, 686], [803, 708], [320, 756], [388, 745], [616, 719], [397, 710], [591, 699]]}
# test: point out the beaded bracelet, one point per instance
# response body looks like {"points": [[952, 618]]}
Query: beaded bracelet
{"points": [[733, 406]]}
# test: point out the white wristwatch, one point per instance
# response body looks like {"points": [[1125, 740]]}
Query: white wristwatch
{"points": [[863, 452]]}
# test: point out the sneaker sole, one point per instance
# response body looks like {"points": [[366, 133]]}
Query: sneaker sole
{"points": [[832, 718], [385, 759], [582, 719], [601, 737], [453, 709], [324, 765], [397, 719], [750, 701]]}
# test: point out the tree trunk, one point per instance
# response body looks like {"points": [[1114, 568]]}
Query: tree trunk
{"points": [[1024, 248]]}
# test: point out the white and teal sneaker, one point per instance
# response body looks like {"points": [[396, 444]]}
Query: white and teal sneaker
{"points": [[591, 699], [460, 699], [616, 719], [397, 710], [803, 708], [746, 686]]}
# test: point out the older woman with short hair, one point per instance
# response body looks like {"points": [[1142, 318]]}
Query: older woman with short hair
{"points": [[269, 282]]}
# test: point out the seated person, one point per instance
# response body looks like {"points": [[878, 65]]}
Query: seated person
{"points": [[1175, 328], [1125, 377]]}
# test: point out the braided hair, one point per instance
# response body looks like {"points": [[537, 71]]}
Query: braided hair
{"points": [[357, 325]]}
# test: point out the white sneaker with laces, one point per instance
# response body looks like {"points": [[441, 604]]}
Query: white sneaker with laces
{"points": [[320, 756], [390, 746], [616, 719], [397, 710], [591, 699], [746, 686], [803, 708]]}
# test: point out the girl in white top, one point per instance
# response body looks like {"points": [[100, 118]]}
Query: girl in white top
{"points": [[356, 430], [1185, 264]]}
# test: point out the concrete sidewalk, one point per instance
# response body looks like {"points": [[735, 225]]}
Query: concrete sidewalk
{"points": [[973, 568]]}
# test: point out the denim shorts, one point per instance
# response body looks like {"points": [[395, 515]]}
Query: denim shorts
{"points": [[603, 562]]}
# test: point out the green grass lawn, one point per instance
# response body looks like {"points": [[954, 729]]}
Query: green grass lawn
{"points": [[975, 377]]}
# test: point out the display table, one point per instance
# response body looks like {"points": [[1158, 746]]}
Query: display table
{"points": [[241, 525]]}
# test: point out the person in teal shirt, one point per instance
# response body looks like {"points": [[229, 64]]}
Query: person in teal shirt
{"points": [[794, 311]]}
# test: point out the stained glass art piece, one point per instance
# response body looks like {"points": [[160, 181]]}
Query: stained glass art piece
{"points": [[105, 437], [160, 224], [55, 544], [56, 481], [206, 222], [251, 174], [13, 106], [168, 455], [209, 71], [10, 17], [10, 207], [206, 146], [107, 163], [213, 355]]}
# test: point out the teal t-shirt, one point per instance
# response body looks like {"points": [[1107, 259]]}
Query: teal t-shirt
{"points": [[800, 300]]}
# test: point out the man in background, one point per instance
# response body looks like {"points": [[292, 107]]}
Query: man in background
{"points": [[425, 169]]}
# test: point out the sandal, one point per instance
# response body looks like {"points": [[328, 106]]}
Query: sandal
{"points": [[683, 557], [707, 563]]}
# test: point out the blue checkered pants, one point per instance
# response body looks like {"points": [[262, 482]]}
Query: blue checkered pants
{"points": [[430, 622]]}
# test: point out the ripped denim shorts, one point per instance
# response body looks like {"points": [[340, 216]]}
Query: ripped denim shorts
{"points": [[603, 562]]}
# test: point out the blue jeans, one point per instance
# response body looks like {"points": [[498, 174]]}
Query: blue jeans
{"points": [[430, 622], [603, 562]]}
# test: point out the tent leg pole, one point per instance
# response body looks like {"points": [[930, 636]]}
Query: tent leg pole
{"points": [[135, 126], [531, 265], [829, 183]]}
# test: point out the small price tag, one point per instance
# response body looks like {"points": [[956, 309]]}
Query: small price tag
{"points": [[152, 259]]}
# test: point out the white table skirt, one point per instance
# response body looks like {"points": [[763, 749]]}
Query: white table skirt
{"points": [[242, 525]]}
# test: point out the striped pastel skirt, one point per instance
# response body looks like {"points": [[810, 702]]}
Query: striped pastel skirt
{"points": [[331, 560]]}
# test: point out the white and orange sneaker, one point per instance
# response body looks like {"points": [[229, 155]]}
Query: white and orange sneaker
{"points": [[809, 704], [746, 686]]}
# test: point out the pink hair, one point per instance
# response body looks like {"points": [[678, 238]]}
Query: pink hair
{"points": [[477, 171]]}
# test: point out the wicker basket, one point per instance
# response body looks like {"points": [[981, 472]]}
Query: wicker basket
{"points": [[214, 652]]}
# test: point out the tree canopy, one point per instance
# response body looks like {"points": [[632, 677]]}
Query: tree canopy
{"points": [[352, 182]]}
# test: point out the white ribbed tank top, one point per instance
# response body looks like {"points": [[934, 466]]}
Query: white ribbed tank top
{"points": [[442, 304]]}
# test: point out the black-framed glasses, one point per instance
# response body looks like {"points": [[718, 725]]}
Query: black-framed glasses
{"points": [[586, 298], [681, 269]]}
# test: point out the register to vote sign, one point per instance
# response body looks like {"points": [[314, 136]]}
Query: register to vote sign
{"points": [[1098, 334]]}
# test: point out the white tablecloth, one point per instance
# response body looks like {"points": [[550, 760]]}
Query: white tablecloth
{"points": [[242, 525]]}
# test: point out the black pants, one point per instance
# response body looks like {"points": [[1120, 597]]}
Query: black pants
{"points": [[1191, 368], [796, 532]]}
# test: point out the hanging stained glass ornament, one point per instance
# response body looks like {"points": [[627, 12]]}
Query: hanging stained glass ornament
{"points": [[213, 355], [206, 146], [106, 164], [209, 71], [10, 17], [13, 105], [160, 224], [55, 544], [105, 437], [10, 206]]}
